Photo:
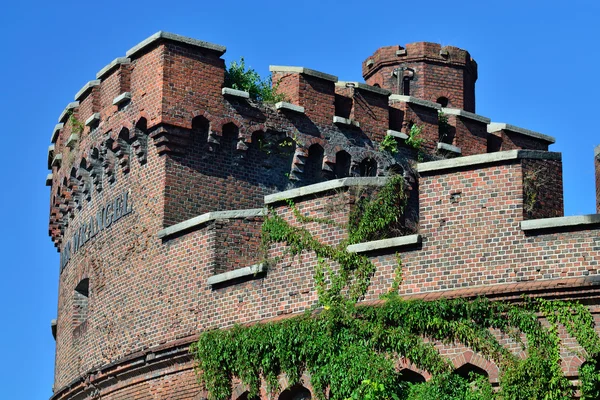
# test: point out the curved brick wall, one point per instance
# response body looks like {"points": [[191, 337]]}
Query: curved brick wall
{"points": [[161, 136]]}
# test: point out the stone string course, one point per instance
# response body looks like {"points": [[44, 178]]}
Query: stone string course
{"points": [[203, 164]]}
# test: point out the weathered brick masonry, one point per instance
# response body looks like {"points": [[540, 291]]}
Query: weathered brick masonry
{"points": [[160, 179]]}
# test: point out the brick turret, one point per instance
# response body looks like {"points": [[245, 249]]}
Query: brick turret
{"points": [[442, 74]]}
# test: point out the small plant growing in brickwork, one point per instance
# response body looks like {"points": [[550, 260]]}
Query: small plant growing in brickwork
{"points": [[379, 216], [76, 125], [414, 137], [239, 77], [389, 144]]}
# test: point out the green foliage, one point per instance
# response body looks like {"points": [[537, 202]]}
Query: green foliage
{"points": [[389, 144], [589, 378], [76, 125], [247, 79], [414, 137], [443, 126], [449, 386], [379, 217], [350, 349]]}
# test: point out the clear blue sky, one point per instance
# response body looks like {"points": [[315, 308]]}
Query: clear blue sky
{"points": [[538, 69]]}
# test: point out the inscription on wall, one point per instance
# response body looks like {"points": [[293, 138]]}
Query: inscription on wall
{"points": [[106, 216]]}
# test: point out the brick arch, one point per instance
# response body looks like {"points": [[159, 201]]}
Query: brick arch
{"points": [[208, 116], [304, 381], [571, 365], [220, 123], [469, 357], [452, 102], [405, 364], [248, 134]]}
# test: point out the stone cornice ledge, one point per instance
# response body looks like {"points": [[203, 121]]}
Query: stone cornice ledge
{"points": [[304, 71], [409, 99], [55, 132], [560, 223], [364, 86], [174, 38], [324, 187], [85, 88], [196, 222], [597, 151], [236, 274], [466, 114], [499, 126], [400, 241], [488, 158], [235, 93], [117, 61], [397, 134], [284, 105]]}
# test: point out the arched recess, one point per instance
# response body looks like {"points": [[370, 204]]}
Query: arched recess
{"points": [[408, 375], [81, 296], [244, 396], [96, 168], [343, 160], [123, 151], [468, 371], [229, 138], [297, 392], [313, 167], [83, 174], [367, 167], [200, 129], [75, 186], [139, 144], [109, 160]]}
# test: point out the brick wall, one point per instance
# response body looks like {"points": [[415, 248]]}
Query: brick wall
{"points": [[179, 149]]}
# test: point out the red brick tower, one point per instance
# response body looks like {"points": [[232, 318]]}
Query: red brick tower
{"points": [[160, 176]]}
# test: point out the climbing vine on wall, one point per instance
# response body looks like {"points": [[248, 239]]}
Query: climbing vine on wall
{"points": [[349, 350]]}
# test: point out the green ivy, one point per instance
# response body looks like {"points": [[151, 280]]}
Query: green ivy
{"points": [[379, 216], [350, 349], [389, 144], [237, 76]]}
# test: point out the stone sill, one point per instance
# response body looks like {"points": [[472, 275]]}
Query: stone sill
{"points": [[284, 105], [324, 187], [488, 158], [466, 114], [304, 71], [235, 93], [196, 222], [244, 272], [55, 132], [500, 126], [401, 241], [345, 121], [93, 119], [122, 98], [114, 63], [597, 151], [50, 155], [57, 160], [175, 38], [49, 180], [560, 223], [414, 100], [71, 106], [396, 134], [449, 148], [81, 93], [73, 139], [363, 86]]}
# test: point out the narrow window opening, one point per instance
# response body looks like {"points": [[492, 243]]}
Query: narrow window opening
{"points": [[442, 101], [406, 86], [342, 164], [80, 302], [368, 167]]}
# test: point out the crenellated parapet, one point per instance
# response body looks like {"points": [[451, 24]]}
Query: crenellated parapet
{"points": [[161, 178]]}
